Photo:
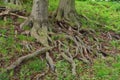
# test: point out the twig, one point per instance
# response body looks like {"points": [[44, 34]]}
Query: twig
{"points": [[23, 17]]}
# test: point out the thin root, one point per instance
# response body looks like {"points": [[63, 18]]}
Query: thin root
{"points": [[70, 60]]}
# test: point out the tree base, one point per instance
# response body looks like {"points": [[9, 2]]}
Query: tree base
{"points": [[72, 19]]}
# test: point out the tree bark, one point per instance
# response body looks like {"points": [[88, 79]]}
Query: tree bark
{"points": [[66, 12], [17, 2], [39, 17]]}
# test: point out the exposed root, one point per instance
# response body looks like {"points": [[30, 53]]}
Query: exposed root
{"points": [[70, 60], [41, 75], [72, 44], [84, 60], [9, 12], [81, 48], [41, 34], [50, 62], [27, 22], [21, 59]]}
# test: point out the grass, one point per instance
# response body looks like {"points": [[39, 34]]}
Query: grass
{"points": [[104, 13], [104, 16], [103, 69]]}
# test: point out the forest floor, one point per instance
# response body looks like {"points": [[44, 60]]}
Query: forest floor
{"points": [[102, 17]]}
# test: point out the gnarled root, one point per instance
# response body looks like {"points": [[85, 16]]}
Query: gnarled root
{"points": [[70, 60], [50, 62], [41, 34], [21, 59], [27, 22], [72, 44]]}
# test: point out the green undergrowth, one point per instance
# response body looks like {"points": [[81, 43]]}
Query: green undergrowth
{"points": [[11, 42], [35, 65], [103, 69], [99, 16]]}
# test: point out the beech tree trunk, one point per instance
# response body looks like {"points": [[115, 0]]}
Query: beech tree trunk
{"points": [[66, 12], [17, 2], [39, 17]]}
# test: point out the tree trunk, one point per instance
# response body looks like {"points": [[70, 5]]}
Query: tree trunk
{"points": [[17, 2], [66, 12], [39, 17]]}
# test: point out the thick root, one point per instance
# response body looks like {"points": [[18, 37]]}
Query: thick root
{"points": [[27, 22], [41, 35], [21, 59], [70, 18]]}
